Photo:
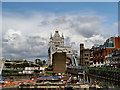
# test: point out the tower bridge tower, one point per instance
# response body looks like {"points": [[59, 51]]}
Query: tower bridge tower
{"points": [[56, 44]]}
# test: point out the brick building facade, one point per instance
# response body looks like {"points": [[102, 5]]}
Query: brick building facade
{"points": [[112, 44], [84, 56]]}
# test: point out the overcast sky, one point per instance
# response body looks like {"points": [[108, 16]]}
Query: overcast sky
{"points": [[27, 26]]}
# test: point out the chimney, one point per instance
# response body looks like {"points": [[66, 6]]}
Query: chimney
{"points": [[81, 46]]}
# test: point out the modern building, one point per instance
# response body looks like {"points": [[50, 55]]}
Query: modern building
{"points": [[84, 56], [110, 45], [56, 43], [113, 59]]}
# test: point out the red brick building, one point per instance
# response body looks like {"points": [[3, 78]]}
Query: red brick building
{"points": [[112, 44], [117, 42]]}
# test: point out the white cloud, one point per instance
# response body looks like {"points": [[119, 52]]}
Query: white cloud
{"points": [[27, 36], [16, 45]]}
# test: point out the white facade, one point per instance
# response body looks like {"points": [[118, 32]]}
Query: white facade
{"points": [[31, 68]]}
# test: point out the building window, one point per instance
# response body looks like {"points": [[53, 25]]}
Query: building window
{"points": [[101, 53], [98, 61], [94, 61], [102, 61], [105, 52], [56, 45], [91, 59], [86, 54], [91, 63], [86, 58], [97, 54], [86, 63]]}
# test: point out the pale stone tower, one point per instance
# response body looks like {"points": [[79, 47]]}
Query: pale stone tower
{"points": [[62, 40], [56, 44], [55, 41]]}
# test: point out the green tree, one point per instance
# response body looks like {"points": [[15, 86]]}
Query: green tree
{"points": [[40, 63]]}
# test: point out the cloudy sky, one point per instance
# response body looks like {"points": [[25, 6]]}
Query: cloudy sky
{"points": [[27, 26]]}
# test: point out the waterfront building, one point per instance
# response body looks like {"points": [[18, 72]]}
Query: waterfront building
{"points": [[113, 59], [100, 52]]}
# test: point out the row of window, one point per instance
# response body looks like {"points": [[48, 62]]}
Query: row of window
{"points": [[98, 61], [99, 54], [86, 54], [86, 58], [102, 53], [86, 63]]}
